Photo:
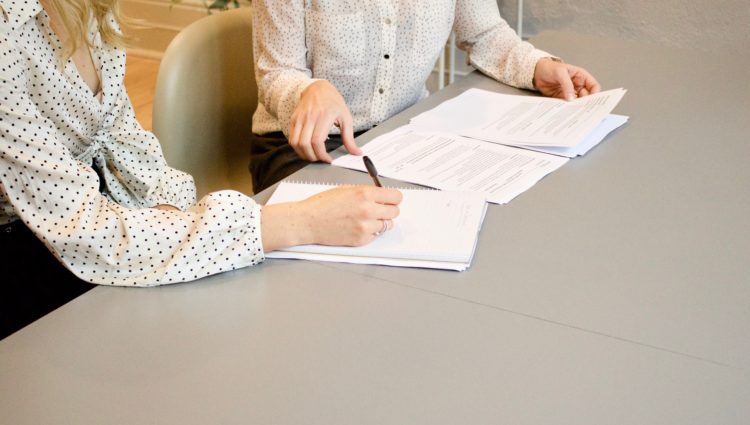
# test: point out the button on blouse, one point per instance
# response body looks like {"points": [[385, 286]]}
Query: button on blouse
{"points": [[377, 53]]}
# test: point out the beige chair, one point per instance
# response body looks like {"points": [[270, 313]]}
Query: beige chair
{"points": [[205, 99]]}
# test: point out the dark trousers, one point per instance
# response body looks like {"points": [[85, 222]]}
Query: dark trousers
{"points": [[33, 282], [272, 158]]}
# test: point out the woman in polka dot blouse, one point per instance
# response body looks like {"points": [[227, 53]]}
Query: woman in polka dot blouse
{"points": [[328, 69], [85, 194]]}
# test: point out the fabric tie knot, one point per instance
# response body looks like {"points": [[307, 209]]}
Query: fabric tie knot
{"points": [[95, 146], [125, 163]]}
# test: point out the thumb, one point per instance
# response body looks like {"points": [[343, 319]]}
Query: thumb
{"points": [[566, 83]]}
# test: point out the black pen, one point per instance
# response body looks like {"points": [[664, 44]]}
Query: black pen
{"points": [[372, 171]]}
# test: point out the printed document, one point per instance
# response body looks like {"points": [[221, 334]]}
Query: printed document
{"points": [[520, 120], [449, 162], [609, 124]]}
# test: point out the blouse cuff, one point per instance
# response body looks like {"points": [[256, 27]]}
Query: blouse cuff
{"points": [[255, 225], [175, 188]]}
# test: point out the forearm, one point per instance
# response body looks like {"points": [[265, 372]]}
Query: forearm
{"points": [[284, 225], [150, 246], [348, 216], [493, 47]]}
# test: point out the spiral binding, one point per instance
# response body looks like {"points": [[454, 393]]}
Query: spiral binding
{"points": [[332, 185]]}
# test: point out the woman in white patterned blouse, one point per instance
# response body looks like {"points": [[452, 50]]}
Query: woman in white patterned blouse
{"points": [[85, 194], [328, 69]]}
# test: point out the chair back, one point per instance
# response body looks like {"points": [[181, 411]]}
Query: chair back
{"points": [[205, 99]]}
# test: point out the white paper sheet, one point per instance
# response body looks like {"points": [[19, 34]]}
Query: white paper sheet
{"points": [[450, 162], [520, 120], [609, 124], [434, 229], [419, 264]]}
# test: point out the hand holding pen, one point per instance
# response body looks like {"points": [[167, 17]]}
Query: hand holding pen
{"points": [[373, 172]]}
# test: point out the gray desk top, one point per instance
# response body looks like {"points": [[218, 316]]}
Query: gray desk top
{"points": [[614, 291], [646, 238]]}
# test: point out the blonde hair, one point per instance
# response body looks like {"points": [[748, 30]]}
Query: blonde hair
{"points": [[77, 15]]}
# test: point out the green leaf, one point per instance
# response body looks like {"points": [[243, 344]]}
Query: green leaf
{"points": [[219, 4]]}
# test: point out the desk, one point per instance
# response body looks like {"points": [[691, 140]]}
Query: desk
{"points": [[617, 290]]}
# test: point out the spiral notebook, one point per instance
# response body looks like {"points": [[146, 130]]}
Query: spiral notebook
{"points": [[435, 229]]}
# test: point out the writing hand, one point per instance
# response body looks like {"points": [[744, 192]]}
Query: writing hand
{"points": [[348, 216]]}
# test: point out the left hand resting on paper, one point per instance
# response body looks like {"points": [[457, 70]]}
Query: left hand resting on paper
{"points": [[562, 80]]}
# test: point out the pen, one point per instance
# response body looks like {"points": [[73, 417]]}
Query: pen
{"points": [[372, 171]]}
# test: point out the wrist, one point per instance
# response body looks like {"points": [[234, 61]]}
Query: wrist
{"points": [[315, 85], [284, 225], [545, 61], [303, 223]]}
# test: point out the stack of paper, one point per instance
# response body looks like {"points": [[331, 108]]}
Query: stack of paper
{"points": [[540, 123], [529, 137], [435, 229]]}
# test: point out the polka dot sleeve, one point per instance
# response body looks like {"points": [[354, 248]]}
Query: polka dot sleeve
{"points": [[493, 47], [124, 137], [58, 197], [280, 65]]}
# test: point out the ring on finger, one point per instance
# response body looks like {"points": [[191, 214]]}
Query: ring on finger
{"points": [[382, 229]]}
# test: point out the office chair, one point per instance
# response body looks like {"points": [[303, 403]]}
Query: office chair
{"points": [[204, 101]]}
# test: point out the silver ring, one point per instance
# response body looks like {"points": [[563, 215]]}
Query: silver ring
{"points": [[383, 229]]}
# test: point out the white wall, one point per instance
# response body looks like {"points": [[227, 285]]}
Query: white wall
{"points": [[702, 24]]}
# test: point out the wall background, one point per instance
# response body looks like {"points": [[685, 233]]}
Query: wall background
{"points": [[701, 24]]}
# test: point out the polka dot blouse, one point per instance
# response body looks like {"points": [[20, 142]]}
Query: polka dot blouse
{"points": [[377, 53], [82, 174]]}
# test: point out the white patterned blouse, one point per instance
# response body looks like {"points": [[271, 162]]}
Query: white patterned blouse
{"points": [[377, 53], [82, 174]]}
